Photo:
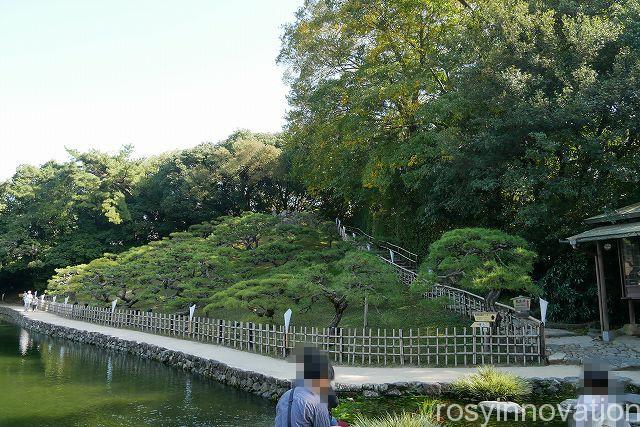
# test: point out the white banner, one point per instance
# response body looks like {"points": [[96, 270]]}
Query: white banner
{"points": [[54, 298], [287, 318], [66, 301], [113, 305], [192, 309], [543, 310]]}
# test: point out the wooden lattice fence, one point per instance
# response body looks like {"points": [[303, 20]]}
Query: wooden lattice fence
{"points": [[505, 344]]}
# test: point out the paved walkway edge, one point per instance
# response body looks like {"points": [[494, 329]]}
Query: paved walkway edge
{"points": [[266, 376]]}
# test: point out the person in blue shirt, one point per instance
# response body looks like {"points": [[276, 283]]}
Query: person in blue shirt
{"points": [[306, 404]]}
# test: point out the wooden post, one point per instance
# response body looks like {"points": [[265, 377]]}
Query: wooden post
{"points": [[632, 312], [284, 342], [543, 351], [602, 294], [366, 310]]}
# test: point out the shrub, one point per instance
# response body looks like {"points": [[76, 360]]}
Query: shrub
{"points": [[397, 420], [491, 384], [482, 260]]}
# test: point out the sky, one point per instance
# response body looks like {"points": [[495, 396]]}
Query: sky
{"points": [[156, 74]]}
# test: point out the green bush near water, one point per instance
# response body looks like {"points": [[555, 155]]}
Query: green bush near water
{"points": [[491, 384], [397, 420]]}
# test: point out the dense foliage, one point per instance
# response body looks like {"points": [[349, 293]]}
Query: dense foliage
{"points": [[251, 267], [409, 118], [63, 214], [422, 116], [482, 260]]}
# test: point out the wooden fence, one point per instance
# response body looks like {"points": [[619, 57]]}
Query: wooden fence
{"points": [[505, 344]]}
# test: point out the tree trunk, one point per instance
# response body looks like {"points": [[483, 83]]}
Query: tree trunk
{"points": [[491, 299], [366, 311], [339, 306]]}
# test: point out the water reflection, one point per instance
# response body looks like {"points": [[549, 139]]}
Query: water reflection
{"points": [[187, 391], [24, 343], [81, 385], [109, 373]]}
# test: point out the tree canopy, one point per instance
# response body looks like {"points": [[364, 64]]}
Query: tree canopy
{"points": [[253, 266], [481, 260], [417, 117], [63, 214]]}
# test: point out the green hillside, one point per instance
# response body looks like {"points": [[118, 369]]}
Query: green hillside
{"points": [[253, 267]]}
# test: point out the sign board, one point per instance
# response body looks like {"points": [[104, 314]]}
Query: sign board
{"points": [[287, 318], [521, 304], [481, 325], [192, 309], [485, 316]]}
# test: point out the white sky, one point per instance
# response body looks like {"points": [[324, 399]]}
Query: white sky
{"points": [[158, 74]]}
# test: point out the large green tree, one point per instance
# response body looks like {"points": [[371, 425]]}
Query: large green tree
{"points": [[482, 260], [420, 116]]}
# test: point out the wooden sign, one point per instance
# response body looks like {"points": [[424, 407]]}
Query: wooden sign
{"points": [[481, 325], [521, 304], [485, 316]]}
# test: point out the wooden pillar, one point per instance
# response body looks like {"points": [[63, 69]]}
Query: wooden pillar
{"points": [[602, 294], [632, 312]]}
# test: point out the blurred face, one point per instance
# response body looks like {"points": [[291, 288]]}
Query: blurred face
{"points": [[323, 385]]}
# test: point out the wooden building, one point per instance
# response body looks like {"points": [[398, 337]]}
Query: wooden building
{"points": [[617, 232]]}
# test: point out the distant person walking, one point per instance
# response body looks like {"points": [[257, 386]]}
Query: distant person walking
{"points": [[306, 404], [26, 298]]}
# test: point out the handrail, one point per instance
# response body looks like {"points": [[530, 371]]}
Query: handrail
{"points": [[411, 258], [405, 253]]}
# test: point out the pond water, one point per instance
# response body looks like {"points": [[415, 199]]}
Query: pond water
{"points": [[50, 382]]}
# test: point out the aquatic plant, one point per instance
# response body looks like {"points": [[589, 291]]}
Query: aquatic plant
{"points": [[491, 384]]}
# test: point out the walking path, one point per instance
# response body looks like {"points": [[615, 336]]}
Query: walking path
{"points": [[282, 369], [621, 353]]}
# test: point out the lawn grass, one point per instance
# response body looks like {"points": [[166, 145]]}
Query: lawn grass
{"points": [[409, 313]]}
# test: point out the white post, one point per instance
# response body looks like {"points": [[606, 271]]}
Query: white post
{"points": [[192, 309], [54, 298], [369, 247], [66, 300], [393, 261], [287, 322], [113, 305], [543, 310]]}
